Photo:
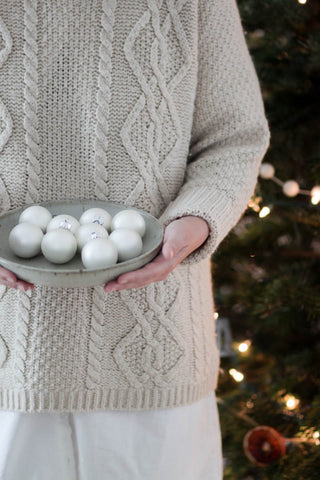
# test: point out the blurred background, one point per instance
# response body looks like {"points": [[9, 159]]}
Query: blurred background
{"points": [[266, 273]]}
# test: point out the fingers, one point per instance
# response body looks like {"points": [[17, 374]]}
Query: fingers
{"points": [[155, 271], [9, 279]]}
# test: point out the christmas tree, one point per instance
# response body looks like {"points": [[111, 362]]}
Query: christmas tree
{"points": [[266, 272]]}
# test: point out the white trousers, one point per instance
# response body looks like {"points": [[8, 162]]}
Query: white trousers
{"points": [[182, 443]]}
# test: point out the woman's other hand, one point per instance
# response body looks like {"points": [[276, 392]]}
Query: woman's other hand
{"points": [[9, 279], [181, 237]]}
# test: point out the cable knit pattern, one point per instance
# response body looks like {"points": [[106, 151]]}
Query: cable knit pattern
{"points": [[5, 118], [155, 107], [95, 344], [103, 98], [153, 349], [31, 99], [153, 104], [22, 337]]}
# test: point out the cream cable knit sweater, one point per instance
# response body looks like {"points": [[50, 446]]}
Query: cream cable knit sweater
{"points": [[150, 103]]}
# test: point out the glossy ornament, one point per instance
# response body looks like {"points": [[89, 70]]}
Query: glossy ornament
{"points": [[98, 216], [99, 253], [128, 243], [89, 231], [59, 246], [66, 222], [25, 240], [129, 219], [36, 215]]}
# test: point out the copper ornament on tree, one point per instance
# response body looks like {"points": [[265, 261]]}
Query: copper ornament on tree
{"points": [[264, 445]]}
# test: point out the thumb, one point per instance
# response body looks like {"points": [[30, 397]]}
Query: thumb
{"points": [[168, 250]]}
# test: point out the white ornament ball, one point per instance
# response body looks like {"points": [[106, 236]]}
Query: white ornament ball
{"points": [[66, 222], [266, 170], [128, 243], [36, 215], [25, 240], [129, 219], [291, 188], [59, 246], [99, 253], [89, 231], [97, 215]]}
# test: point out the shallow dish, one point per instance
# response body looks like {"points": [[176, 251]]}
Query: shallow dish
{"points": [[39, 271]]}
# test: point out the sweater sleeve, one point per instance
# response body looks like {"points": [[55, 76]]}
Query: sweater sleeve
{"points": [[230, 133]]}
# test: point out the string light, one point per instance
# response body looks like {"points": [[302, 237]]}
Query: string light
{"points": [[238, 376], [316, 436], [244, 346], [290, 188], [315, 195], [264, 212], [291, 402]]}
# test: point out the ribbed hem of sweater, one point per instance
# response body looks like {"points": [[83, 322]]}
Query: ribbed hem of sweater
{"points": [[104, 399]]}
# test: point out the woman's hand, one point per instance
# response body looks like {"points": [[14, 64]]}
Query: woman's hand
{"points": [[181, 237], [9, 279]]}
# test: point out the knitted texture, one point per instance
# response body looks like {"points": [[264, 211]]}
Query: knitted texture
{"points": [[154, 105]]}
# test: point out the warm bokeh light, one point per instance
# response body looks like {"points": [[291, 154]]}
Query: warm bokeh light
{"points": [[302, 1], [316, 436], [291, 402], [238, 376], [244, 346], [315, 195], [264, 212]]}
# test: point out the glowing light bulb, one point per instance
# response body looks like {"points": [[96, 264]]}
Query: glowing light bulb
{"points": [[238, 376], [302, 1], [244, 346], [291, 402], [264, 212], [315, 195]]}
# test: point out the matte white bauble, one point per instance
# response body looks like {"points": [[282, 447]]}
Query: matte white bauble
{"points": [[97, 215], [266, 170], [99, 253], [129, 219], [59, 245], [25, 240], [66, 222], [37, 215], [128, 243], [89, 231], [291, 188]]}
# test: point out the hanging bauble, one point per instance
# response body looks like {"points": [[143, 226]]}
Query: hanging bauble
{"points": [[291, 188], [264, 445], [266, 170]]}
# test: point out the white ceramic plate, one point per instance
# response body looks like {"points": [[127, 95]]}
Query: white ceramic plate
{"points": [[39, 271]]}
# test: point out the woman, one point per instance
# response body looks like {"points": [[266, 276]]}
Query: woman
{"points": [[153, 104]]}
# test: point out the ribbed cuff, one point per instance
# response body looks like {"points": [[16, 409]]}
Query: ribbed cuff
{"points": [[105, 399], [212, 205]]}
